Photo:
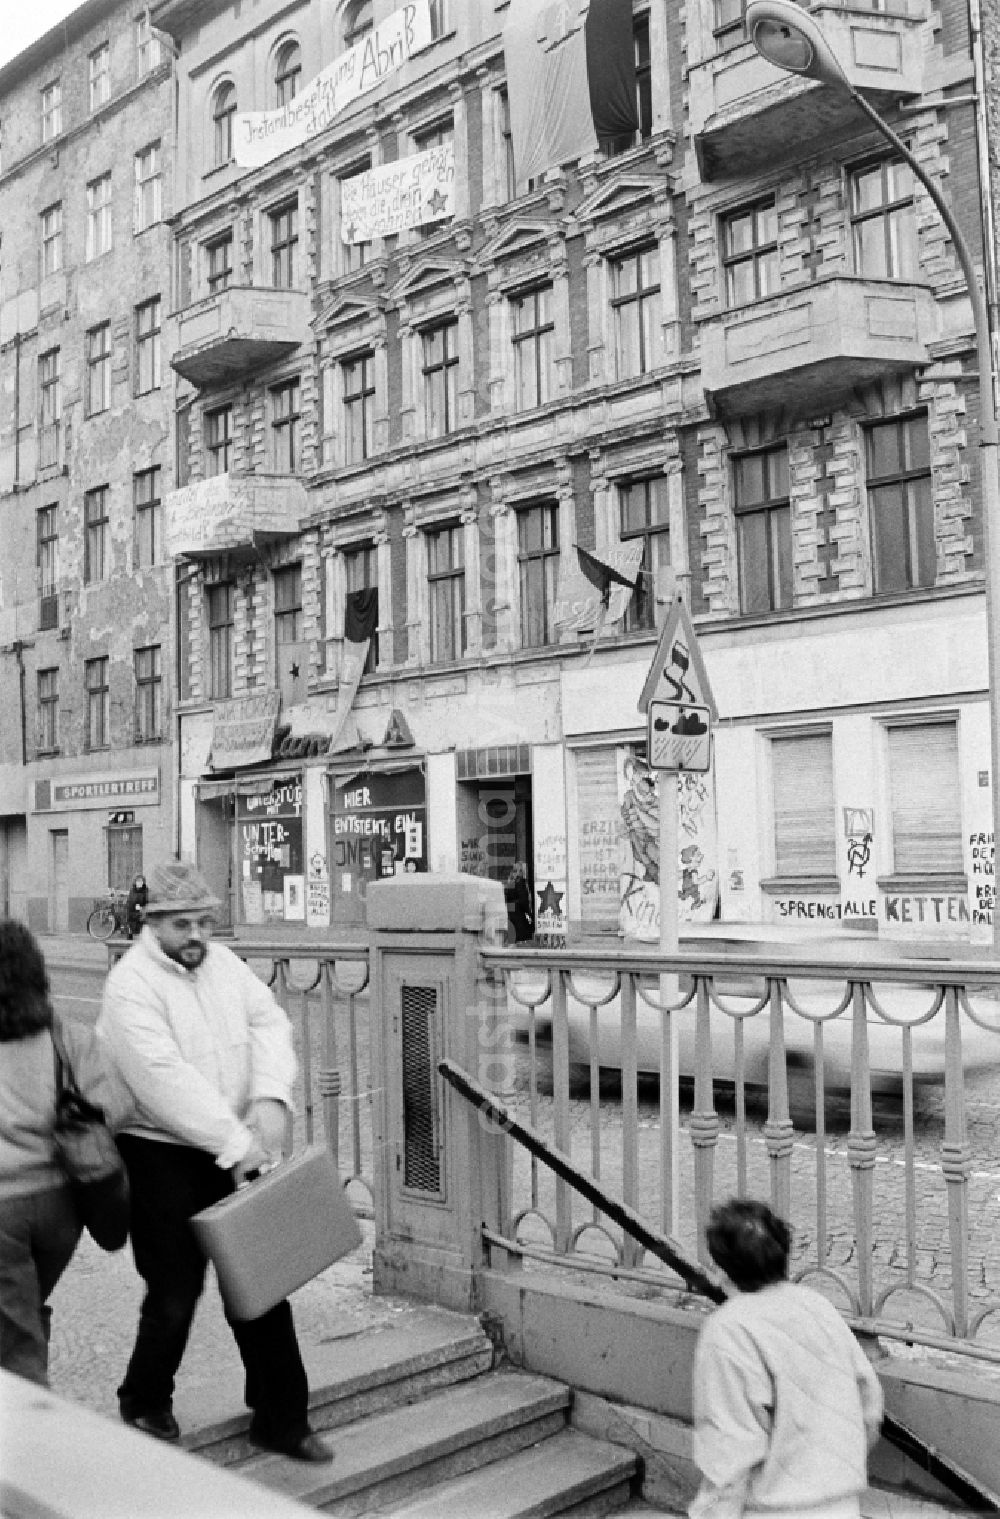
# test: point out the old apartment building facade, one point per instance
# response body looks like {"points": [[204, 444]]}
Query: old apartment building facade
{"points": [[738, 340], [85, 459]]}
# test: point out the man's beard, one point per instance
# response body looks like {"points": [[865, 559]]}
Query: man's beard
{"points": [[189, 955]]}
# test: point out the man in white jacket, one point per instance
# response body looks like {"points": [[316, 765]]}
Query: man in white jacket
{"points": [[206, 1053]]}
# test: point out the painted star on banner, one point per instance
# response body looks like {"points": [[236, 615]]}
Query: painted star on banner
{"points": [[295, 672], [550, 900], [350, 229], [437, 202]]}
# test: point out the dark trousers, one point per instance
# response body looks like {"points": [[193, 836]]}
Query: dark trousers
{"points": [[168, 1184]]}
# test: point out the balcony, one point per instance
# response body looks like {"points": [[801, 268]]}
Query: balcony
{"points": [[238, 332], [232, 514], [747, 115], [806, 347]]}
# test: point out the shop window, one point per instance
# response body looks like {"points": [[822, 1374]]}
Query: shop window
{"points": [[148, 695], [925, 799], [532, 331], [883, 220], [270, 866], [97, 535], [360, 577], [763, 530], [48, 710], [287, 73], [221, 624], [900, 503], [98, 369], [284, 241], [124, 854], [219, 263], [750, 253], [148, 516], [644, 506], [805, 843], [600, 838], [358, 381], [98, 710], [223, 115], [147, 346], [52, 239], [439, 367], [446, 588], [635, 310], [99, 226], [538, 568], [218, 440], [286, 415]]}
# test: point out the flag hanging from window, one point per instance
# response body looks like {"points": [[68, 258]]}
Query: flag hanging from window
{"points": [[570, 80], [597, 588], [360, 623]]}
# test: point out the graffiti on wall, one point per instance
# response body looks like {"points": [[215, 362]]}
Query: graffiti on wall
{"points": [[696, 866]]}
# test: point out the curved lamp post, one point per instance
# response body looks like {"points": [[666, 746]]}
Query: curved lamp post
{"points": [[791, 39]]}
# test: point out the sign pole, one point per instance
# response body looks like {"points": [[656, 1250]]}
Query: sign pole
{"points": [[670, 1118]]}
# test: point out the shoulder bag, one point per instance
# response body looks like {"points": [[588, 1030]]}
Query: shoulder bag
{"points": [[89, 1157]]}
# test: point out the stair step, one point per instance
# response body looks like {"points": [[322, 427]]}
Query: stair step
{"points": [[556, 1476], [351, 1379], [383, 1459]]}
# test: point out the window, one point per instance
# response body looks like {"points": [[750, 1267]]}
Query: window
{"points": [[100, 76], [763, 529], [221, 615], [288, 604], [533, 326], [285, 417], [508, 169], [220, 263], [883, 221], [219, 439], [51, 111], [900, 503], [359, 20], [439, 18], [645, 513], [925, 793], [643, 92], [98, 719], [805, 842], [223, 111], [148, 695], [352, 255], [287, 73], [52, 239], [147, 346], [284, 225], [358, 377], [148, 516], [98, 369], [440, 371], [50, 407], [124, 854], [361, 574], [98, 237], [148, 187], [48, 710], [446, 584], [147, 45], [750, 253], [437, 136], [728, 23], [635, 310], [538, 564], [47, 556], [97, 537]]}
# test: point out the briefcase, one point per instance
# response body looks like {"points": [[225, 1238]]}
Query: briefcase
{"points": [[278, 1232]]}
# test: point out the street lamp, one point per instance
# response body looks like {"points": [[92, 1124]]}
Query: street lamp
{"points": [[791, 39]]}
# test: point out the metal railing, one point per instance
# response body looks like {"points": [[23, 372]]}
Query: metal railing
{"points": [[885, 1199]]}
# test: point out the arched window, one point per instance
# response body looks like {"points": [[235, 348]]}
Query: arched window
{"points": [[359, 19], [287, 72], [223, 111]]}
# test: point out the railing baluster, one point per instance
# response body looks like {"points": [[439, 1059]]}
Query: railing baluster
{"points": [[704, 1121], [819, 1100], [329, 1076], [739, 1072], [632, 1251], [861, 1145], [594, 1087], [955, 1162], [560, 1094], [778, 1128], [669, 1109], [909, 1159], [307, 1085]]}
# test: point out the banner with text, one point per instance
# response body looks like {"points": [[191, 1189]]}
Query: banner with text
{"points": [[408, 193], [260, 136]]}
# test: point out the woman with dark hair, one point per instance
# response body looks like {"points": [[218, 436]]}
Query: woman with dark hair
{"points": [[39, 1227], [785, 1400]]}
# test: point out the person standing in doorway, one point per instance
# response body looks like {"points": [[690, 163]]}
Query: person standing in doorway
{"points": [[518, 898], [786, 1402], [207, 1054]]}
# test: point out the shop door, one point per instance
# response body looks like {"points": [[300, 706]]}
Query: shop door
{"points": [[59, 881], [494, 826], [215, 852]]}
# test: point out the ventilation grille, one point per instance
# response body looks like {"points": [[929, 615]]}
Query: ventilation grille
{"points": [[421, 1165], [500, 760]]}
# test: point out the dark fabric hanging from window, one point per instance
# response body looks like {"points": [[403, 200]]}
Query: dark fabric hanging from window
{"points": [[361, 614]]}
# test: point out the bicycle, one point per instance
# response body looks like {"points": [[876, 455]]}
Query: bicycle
{"points": [[109, 916]]}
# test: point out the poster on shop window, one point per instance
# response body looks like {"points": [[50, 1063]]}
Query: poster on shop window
{"points": [[696, 870], [379, 828], [269, 841]]}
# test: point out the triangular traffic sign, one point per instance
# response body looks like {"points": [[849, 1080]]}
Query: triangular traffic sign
{"points": [[678, 672]]}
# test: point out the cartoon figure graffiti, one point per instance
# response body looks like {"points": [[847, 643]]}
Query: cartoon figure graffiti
{"points": [[692, 878], [697, 887], [642, 820]]}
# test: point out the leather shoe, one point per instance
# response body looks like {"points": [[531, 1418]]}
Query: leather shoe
{"points": [[160, 1423], [308, 1447]]}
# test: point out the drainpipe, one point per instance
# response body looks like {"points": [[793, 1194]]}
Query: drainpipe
{"points": [[17, 408], [978, 49], [18, 648], [180, 581]]}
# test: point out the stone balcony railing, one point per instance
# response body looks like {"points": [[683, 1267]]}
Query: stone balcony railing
{"points": [[232, 513], [746, 113], [807, 346], [238, 332]]}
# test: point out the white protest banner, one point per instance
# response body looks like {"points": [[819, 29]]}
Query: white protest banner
{"points": [[260, 136], [407, 193]]}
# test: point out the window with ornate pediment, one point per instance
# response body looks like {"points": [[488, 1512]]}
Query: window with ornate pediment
{"points": [[532, 334], [631, 274], [434, 302], [354, 420]]}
